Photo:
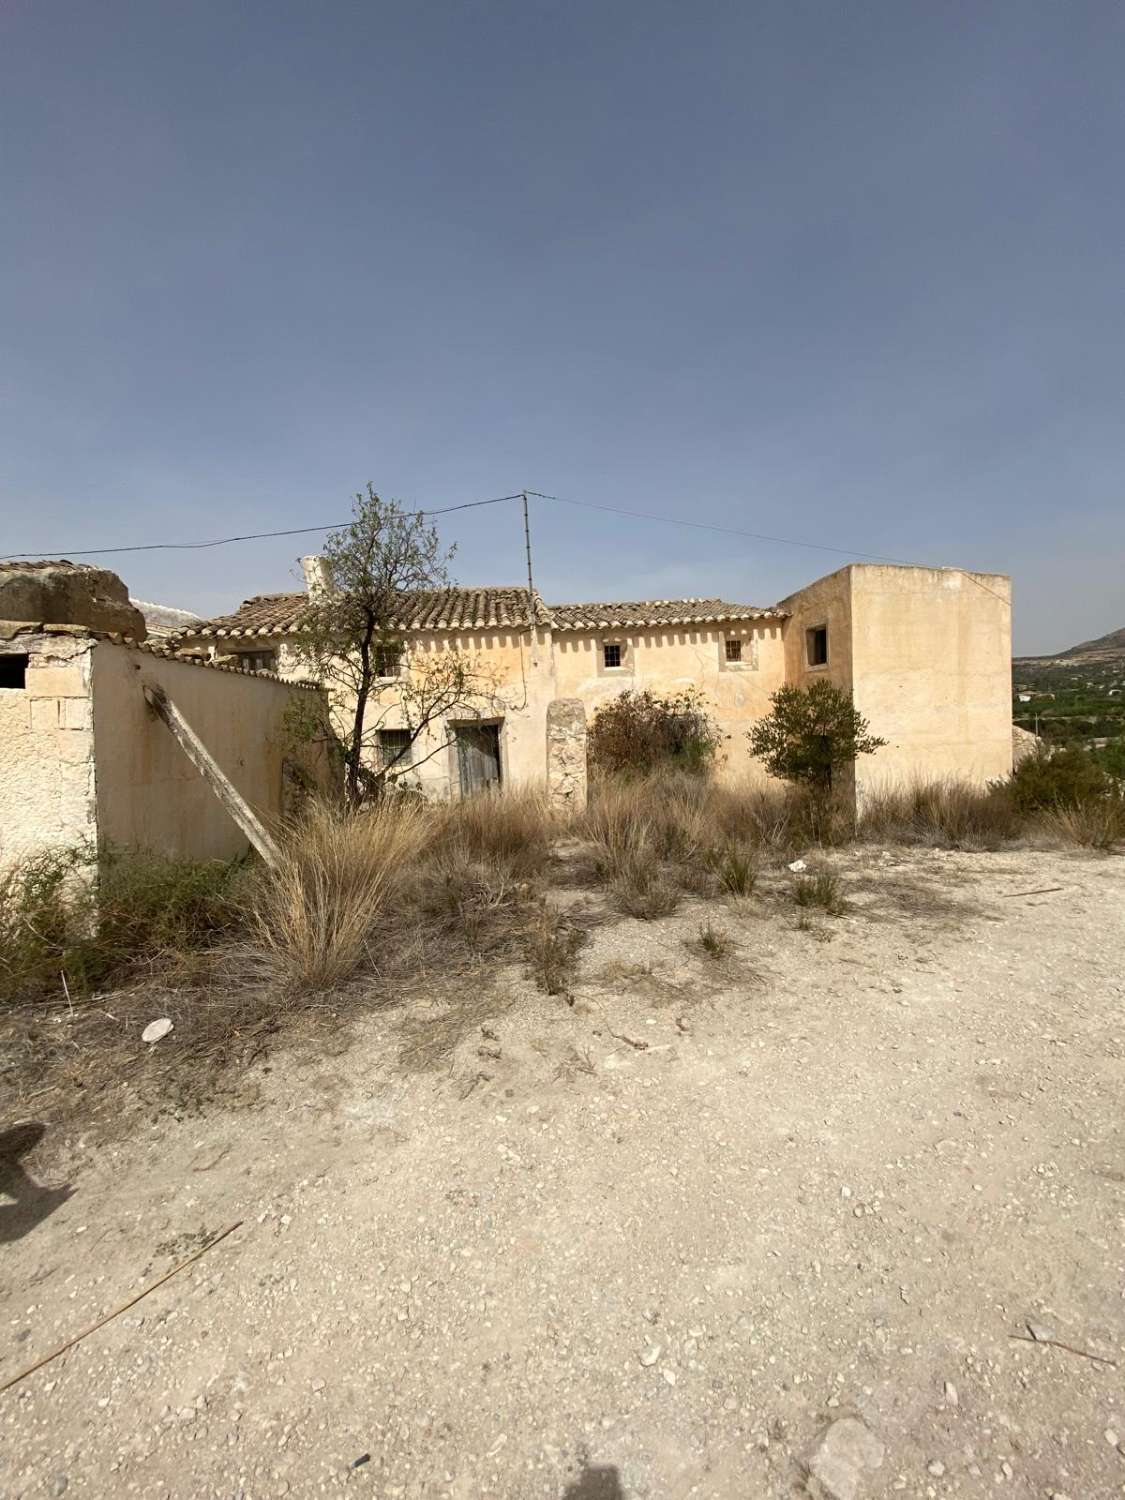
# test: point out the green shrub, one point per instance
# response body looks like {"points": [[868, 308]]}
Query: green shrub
{"points": [[1066, 778], [70, 924]]}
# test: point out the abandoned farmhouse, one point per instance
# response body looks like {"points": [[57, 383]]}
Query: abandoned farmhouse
{"points": [[86, 755], [926, 654], [924, 651]]}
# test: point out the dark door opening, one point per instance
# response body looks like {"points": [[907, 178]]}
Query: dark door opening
{"points": [[478, 757]]}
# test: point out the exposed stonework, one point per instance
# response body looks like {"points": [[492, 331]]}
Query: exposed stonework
{"points": [[566, 754], [67, 593], [47, 790], [1024, 743]]}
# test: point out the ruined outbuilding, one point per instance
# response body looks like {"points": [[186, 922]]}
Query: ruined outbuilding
{"points": [[85, 757]]}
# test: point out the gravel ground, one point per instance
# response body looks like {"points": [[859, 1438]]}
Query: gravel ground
{"points": [[767, 1225]]}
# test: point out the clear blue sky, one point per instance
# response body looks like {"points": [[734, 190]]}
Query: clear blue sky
{"points": [[847, 273]]}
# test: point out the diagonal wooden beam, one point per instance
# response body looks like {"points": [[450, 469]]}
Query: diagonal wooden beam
{"points": [[205, 763]]}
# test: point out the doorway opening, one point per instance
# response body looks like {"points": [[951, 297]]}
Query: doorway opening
{"points": [[478, 757]]}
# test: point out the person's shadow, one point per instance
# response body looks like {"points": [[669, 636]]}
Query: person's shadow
{"points": [[596, 1483], [32, 1203]]}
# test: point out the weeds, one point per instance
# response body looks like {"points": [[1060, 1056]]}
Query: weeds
{"points": [[735, 868], [552, 952], [949, 813], [820, 890], [641, 888], [313, 917], [70, 924], [712, 942]]}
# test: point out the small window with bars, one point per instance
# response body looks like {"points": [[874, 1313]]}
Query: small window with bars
{"points": [[395, 748], [733, 650], [388, 661], [258, 661], [612, 654]]}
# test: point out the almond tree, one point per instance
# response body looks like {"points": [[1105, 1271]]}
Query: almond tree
{"points": [[350, 638]]}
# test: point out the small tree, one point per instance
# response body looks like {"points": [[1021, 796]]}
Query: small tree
{"points": [[640, 732], [350, 639], [812, 734]]}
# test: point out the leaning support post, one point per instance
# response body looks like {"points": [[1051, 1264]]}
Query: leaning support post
{"points": [[204, 762]]}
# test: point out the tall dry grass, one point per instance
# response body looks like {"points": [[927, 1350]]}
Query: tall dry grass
{"points": [[313, 917], [945, 813]]}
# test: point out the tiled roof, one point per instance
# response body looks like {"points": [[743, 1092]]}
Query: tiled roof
{"points": [[485, 609], [436, 609], [649, 612], [11, 630]]}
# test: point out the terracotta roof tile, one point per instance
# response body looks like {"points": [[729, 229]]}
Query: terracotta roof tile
{"points": [[436, 609], [650, 612], [485, 609]]}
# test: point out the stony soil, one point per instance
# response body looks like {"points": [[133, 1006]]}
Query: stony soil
{"points": [[720, 1228]]}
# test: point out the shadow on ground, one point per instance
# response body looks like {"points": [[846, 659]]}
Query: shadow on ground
{"points": [[600, 1483], [32, 1202]]}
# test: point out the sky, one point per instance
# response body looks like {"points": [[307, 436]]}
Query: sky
{"points": [[848, 275]]}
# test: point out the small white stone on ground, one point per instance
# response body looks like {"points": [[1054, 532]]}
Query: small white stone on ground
{"points": [[842, 1456], [156, 1029]]}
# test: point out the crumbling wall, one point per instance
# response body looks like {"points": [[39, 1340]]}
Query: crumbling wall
{"points": [[47, 791], [566, 754], [66, 593]]}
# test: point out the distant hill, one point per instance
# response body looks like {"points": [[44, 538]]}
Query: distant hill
{"points": [[1106, 651], [1105, 646]]}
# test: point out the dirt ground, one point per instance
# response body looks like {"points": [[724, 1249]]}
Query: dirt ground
{"points": [[772, 1224]]}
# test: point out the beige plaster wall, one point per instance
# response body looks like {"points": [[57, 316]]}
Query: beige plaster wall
{"points": [[515, 669], [47, 747], [149, 795], [932, 654], [674, 658], [926, 653]]}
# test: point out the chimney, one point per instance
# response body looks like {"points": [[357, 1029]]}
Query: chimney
{"points": [[318, 580]]}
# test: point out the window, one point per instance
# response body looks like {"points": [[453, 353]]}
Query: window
{"points": [[734, 650], [13, 670], [388, 661], [611, 653], [816, 646], [394, 748], [258, 661]]}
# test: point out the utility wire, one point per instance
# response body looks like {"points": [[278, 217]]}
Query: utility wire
{"points": [[615, 510], [252, 536], [755, 536]]}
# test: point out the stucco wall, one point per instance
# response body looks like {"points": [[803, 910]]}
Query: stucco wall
{"points": [[149, 795], [47, 747], [672, 659], [932, 651], [926, 653]]}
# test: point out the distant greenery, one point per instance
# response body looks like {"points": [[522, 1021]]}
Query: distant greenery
{"points": [[1074, 704]]}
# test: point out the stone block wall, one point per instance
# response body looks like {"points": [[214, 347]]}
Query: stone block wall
{"points": [[566, 754]]}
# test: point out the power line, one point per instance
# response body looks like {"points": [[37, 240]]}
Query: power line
{"points": [[252, 536], [616, 510], [755, 536]]}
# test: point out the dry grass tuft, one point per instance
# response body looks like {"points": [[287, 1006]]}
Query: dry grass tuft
{"points": [[1097, 824], [823, 890], [712, 942], [313, 917], [511, 830], [949, 814], [552, 947]]}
